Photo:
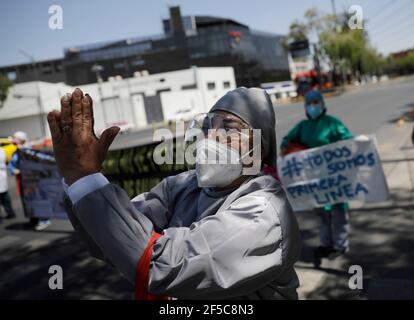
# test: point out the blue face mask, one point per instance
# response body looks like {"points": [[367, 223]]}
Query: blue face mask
{"points": [[314, 110]]}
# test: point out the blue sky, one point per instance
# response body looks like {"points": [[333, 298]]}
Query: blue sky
{"points": [[24, 23]]}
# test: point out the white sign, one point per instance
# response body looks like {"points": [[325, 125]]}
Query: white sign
{"points": [[339, 172]]}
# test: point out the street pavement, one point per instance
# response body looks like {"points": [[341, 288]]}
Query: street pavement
{"points": [[381, 236]]}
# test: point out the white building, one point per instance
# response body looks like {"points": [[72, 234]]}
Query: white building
{"points": [[300, 64], [134, 103], [280, 91]]}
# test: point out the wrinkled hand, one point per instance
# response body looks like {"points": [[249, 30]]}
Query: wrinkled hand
{"points": [[78, 151]]}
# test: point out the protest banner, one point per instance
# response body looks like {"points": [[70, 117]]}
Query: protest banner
{"points": [[339, 172], [41, 185]]}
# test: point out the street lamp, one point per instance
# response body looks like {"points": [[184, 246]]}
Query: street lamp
{"points": [[97, 68]]}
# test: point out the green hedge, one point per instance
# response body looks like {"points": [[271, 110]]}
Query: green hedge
{"points": [[134, 168]]}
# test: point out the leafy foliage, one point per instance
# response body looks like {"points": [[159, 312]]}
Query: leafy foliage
{"points": [[5, 84], [346, 48]]}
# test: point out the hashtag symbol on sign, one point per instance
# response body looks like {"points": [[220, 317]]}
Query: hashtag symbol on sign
{"points": [[292, 168]]}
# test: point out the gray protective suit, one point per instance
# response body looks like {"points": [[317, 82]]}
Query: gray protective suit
{"points": [[233, 244]]}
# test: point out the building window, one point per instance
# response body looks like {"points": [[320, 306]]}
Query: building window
{"points": [[188, 87], [163, 90], [119, 65], [11, 75], [226, 84], [138, 62], [198, 55], [211, 85], [46, 69]]}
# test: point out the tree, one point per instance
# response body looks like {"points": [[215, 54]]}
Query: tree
{"points": [[5, 84], [400, 65], [350, 49], [346, 49], [297, 31]]}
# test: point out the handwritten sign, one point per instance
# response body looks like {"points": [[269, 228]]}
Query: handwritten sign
{"points": [[42, 191], [339, 172]]}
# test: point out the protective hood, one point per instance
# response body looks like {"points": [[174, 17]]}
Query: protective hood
{"points": [[313, 95], [255, 108]]}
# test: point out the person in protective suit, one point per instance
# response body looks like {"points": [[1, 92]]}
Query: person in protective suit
{"points": [[207, 233], [317, 130]]}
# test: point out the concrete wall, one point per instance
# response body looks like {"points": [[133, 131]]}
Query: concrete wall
{"points": [[30, 125], [135, 102]]}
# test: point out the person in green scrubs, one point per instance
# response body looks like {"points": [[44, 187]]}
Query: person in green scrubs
{"points": [[317, 130]]}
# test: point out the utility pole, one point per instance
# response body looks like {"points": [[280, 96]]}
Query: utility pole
{"points": [[333, 9], [317, 64], [336, 30]]}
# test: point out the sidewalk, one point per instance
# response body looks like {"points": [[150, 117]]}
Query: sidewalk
{"points": [[382, 234], [347, 88]]}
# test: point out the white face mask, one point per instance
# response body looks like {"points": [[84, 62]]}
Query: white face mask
{"points": [[217, 165]]}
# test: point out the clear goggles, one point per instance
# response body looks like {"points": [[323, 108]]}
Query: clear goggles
{"points": [[215, 125]]}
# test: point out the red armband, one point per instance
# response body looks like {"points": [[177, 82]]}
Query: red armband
{"points": [[142, 273]]}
